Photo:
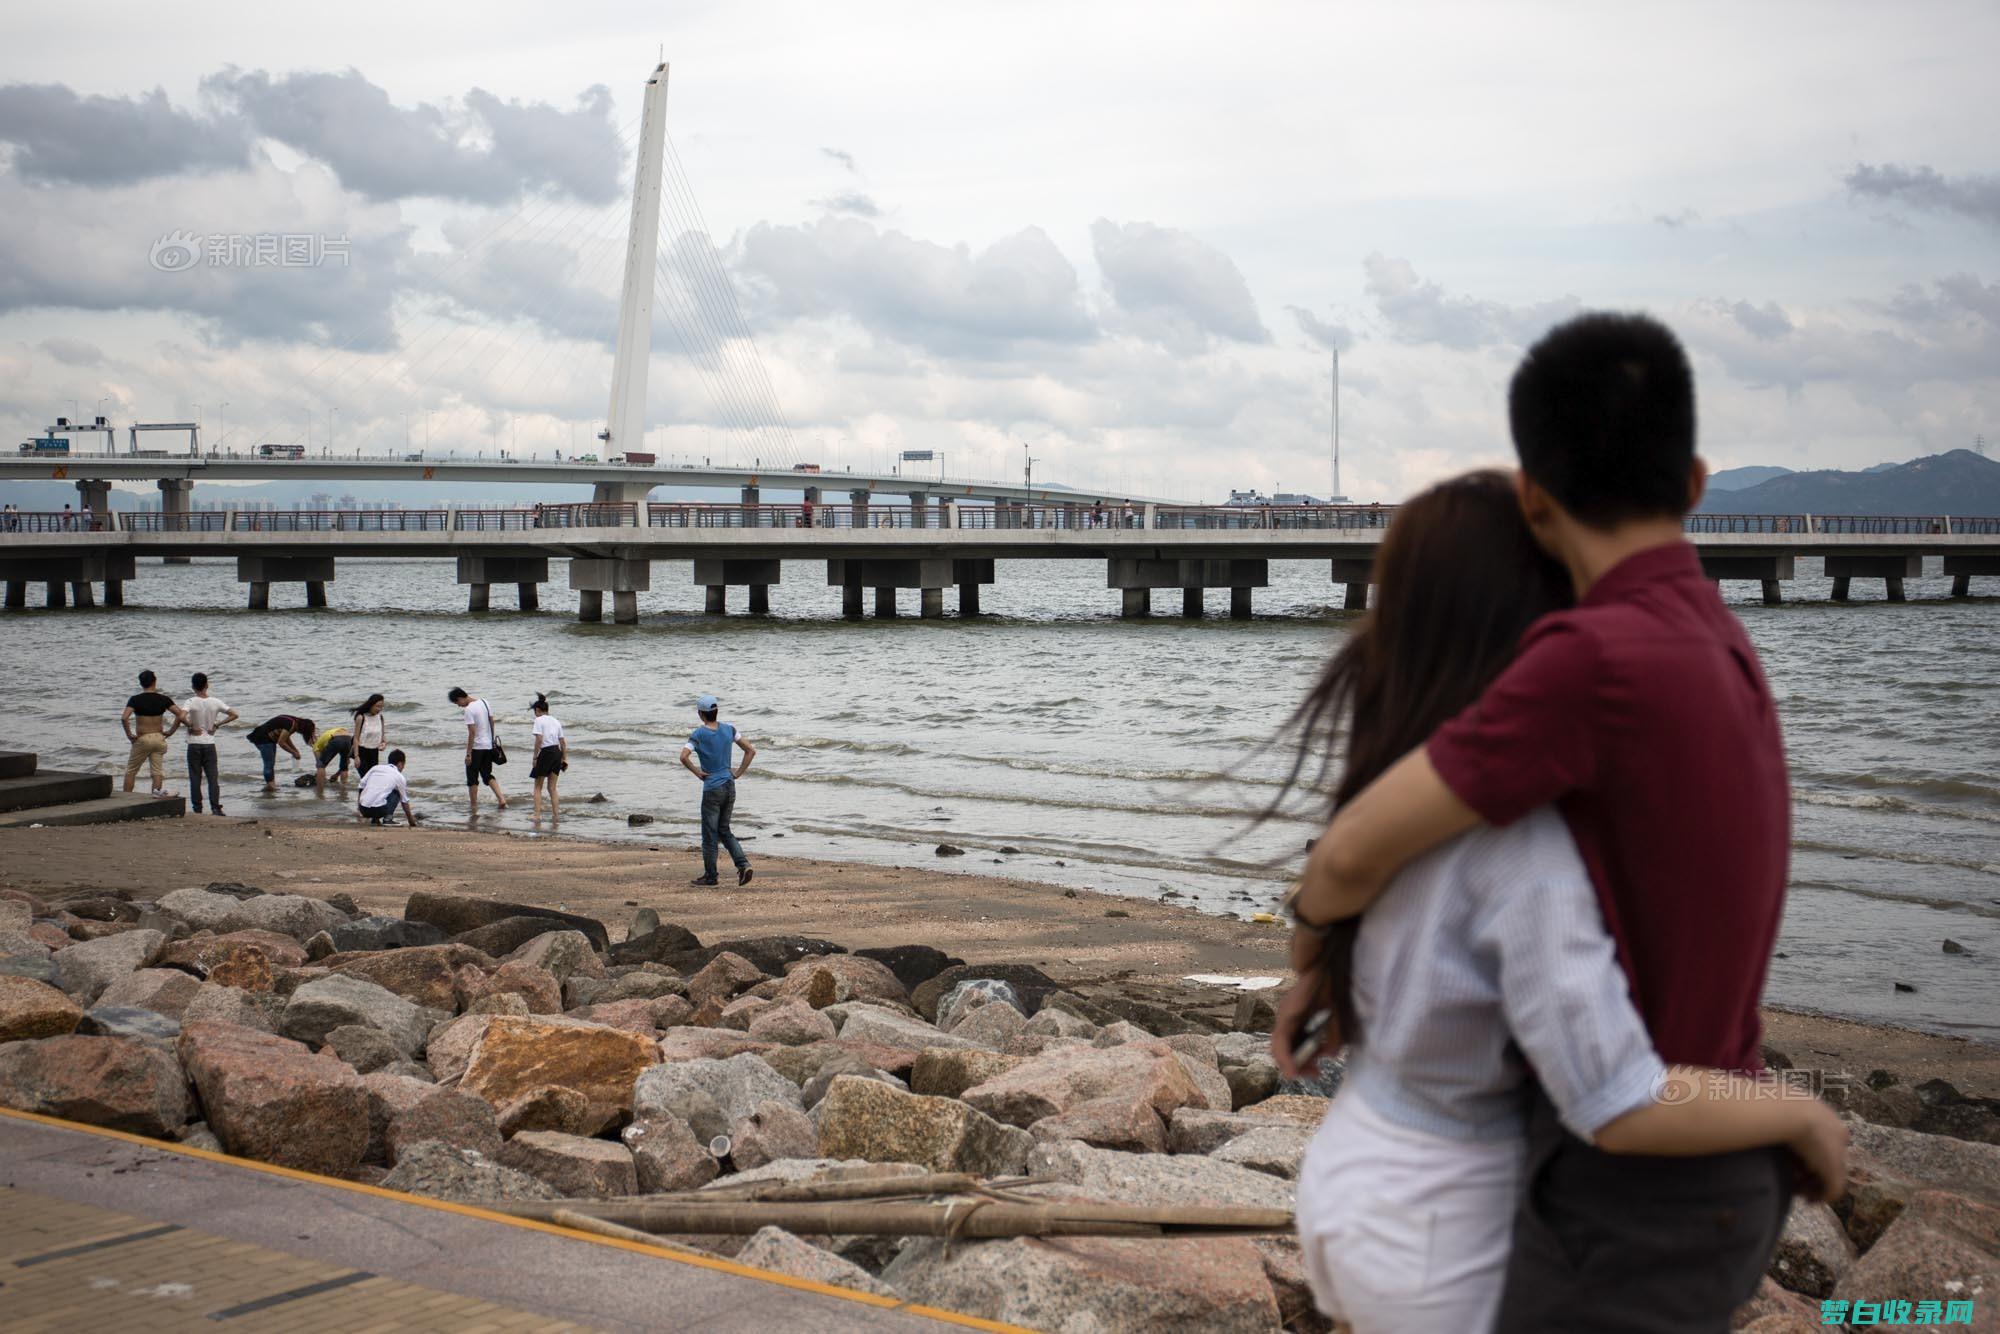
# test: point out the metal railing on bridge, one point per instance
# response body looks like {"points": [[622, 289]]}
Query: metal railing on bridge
{"points": [[53, 521], [340, 521]]}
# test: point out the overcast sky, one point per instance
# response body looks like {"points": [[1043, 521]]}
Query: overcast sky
{"points": [[1124, 235]]}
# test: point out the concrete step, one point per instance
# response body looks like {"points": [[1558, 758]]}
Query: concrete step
{"points": [[100, 810], [49, 788], [17, 764]]}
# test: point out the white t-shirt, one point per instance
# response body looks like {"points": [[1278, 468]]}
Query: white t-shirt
{"points": [[201, 715], [479, 717], [380, 781], [369, 737], [548, 732]]}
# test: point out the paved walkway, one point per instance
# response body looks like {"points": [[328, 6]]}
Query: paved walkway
{"points": [[100, 1231]]}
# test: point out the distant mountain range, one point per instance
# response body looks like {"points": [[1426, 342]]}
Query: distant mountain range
{"points": [[1735, 479], [1960, 482]]}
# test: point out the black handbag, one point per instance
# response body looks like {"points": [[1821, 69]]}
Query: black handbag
{"points": [[499, 751]]}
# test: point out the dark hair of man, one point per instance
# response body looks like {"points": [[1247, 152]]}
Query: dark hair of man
{"points": [[456, 695], [397, 757], [706, 715], [541, 704], [1602, 412], [1459, 579], [146, 679], [199, 680]]}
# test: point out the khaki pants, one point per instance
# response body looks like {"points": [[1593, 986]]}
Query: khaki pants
{"points": [[150, 748]]}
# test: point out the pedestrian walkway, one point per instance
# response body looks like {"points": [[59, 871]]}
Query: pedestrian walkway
{"points": [[100, 1230]]}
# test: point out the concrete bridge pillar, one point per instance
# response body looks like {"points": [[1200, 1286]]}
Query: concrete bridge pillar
{"points": [[920, 509], [969, 574], [1891, 569], [260, 572], [68, 577], [592, 577], [857, 501], [886, 575], [717, 573], [95, 496], [114, 592], [931, 605], [480, 573], [752, 498], [1767, 570], [1962, 568], [176, 498], [1356, 572], [1140, 575], [79, 594], [58, 595], [530, 595], [850, 600], [17, 595]]}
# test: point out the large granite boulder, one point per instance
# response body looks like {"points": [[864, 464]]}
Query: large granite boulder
{"points": [[456, 914], [1153, 1178], [854, 978], [129, 1021], [1943, 1246], [444, 1172], [791, 1024], [667, 1155], [868, 1119], [1052, 1083], [947, 1072], [782, 1253], [1105, 1285], [514, 1055], [384, 933], [563, 954], [711, 1095], [218, 1004], [444, 1116], [546, 1107], [1277, 1150], [86, 968], [270, 1098], [578, 1168], [164, 991], [200, 909], [423, 975], [292, 915], [537, 987], [724, 976], [913, 965], [119, 1083], [656, 946], [1121, 1121], [1030, 984], [389, 1096], [320, 1006], [31, 1009], [1813, 1250], [891, 1028], [775, 1131]]}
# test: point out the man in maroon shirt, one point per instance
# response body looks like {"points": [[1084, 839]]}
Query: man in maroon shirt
{"points": [[1643, 714]]}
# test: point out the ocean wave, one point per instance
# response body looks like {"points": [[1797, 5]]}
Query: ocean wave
{"points": [[1231, 813]]}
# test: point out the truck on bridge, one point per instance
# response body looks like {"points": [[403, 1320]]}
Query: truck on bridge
{"points": [[43, 445]]}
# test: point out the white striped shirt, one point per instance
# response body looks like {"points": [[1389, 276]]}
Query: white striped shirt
{"points": [[1486, 957]]}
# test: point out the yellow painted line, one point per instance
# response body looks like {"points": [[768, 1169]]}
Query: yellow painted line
{"points": [[715, 1262]]}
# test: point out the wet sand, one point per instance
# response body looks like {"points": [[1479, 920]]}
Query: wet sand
{"points": [[1073, 935]]}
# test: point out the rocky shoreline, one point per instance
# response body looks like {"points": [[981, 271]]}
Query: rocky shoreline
{"points": [[477, 1049]]}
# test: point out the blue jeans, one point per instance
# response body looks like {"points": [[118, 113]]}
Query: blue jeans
{"points": [[717, 805], [202, 763], [387, 810], [269, 750]]}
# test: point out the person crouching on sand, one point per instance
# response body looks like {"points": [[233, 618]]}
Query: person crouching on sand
{"points": [[551, 756], [383, 789], [710, 744]]}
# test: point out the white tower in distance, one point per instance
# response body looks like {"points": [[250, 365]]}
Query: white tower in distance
{"points": [[625, 422]]}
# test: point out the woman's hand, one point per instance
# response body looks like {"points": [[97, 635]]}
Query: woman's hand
{"points": [[1821, 1146], [1299, 1005]]}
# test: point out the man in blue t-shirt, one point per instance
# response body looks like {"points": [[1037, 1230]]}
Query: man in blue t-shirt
{"points": [[706, 756]]}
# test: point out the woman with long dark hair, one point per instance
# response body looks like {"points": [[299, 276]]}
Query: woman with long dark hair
{"points": [[551, 756], [1486, 958], [371, 734]]}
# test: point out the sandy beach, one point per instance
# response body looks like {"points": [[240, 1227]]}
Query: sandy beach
{"points": [[1146, 947]]}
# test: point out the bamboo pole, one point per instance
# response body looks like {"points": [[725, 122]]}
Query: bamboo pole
{"points": [[966, 1218]]}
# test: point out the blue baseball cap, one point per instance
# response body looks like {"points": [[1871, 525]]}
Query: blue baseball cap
{"points": [[706, 703]]}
